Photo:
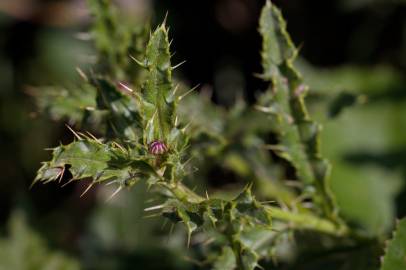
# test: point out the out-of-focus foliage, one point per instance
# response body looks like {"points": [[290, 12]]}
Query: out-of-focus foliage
{"points": [[66, 104], [116, 39], [24, 249], [367, 154], [107, 245]]}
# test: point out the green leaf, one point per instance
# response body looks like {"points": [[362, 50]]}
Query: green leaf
{"points": [[278, 99], [90, 158], [228, 218], [248, 206], [116, 38], [395, 255], [123, 117], [70, 103], [96, 103], [277, 46], [298, 135], [158, 102]]}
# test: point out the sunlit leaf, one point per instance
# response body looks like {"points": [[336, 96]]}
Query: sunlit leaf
{"points": [[158, 103], [89, 158]]}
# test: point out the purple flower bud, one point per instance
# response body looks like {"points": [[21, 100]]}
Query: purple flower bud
{"points": [[157, 148]]}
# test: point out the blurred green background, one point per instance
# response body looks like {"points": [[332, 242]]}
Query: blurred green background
{"points": [[353, 58]]}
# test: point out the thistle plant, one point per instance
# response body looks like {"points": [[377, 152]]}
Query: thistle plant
{"points": [[148, 133]]}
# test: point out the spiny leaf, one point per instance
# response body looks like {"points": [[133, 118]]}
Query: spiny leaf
{"points": [[297, 133], [275, 39], [291, 146], [395, 255], [227, 217], [88, 158], [157, 104], [123, 117], [247, 205], [277, 45], [70, 103]]}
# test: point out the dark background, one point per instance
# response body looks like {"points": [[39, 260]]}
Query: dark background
{"points": [[38, 46]]}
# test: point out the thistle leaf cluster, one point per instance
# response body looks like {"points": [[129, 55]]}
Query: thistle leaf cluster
{"points": [[131, 100]]}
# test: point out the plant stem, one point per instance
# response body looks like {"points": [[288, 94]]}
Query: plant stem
{"points": [[307, 221], [299, 221]]}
